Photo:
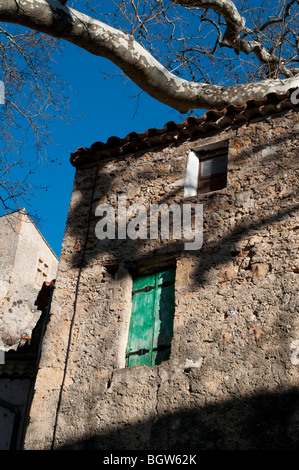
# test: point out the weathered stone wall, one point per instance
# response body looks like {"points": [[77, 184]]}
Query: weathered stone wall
{"points": [[232, 378]]}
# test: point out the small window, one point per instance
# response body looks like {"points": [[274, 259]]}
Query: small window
{"points": [[151, 325], [207, 169], [212, 174], [213, 166]]}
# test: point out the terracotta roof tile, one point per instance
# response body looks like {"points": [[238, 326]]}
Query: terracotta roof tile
{"points": [[190, 128]]}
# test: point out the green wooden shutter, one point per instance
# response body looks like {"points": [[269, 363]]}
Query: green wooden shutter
{"points": [[151, 325], [141, 324]]}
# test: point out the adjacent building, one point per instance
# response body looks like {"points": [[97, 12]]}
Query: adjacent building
{"points": [[28, 270]]}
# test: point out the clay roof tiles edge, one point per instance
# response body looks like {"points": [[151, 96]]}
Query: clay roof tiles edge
{"points": [[191, 127]]}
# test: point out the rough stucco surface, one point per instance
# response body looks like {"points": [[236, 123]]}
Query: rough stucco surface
{"points": [[232, 378], [22, 246]]}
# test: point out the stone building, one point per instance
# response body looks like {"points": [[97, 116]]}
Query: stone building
{"points": [[160, 342], [28, 268]]}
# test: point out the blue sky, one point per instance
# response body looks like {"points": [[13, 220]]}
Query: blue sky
{"points": [[105, 108]]}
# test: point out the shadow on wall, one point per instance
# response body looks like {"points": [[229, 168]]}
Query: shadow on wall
{"points": [[268, 421], [95, 186], [82, 222]]}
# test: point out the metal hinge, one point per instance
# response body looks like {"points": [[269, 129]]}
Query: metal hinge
{"points": [[149, 288], [144, 289], [141, 352]]}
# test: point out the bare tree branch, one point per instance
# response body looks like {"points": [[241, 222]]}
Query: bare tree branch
{"points": [[137, 63], [236, 25]]}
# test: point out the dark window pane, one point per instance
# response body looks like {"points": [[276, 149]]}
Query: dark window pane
{"points": [[219, 165]]}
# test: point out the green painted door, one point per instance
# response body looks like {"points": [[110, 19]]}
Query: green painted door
{"points": [[151, 325]]}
